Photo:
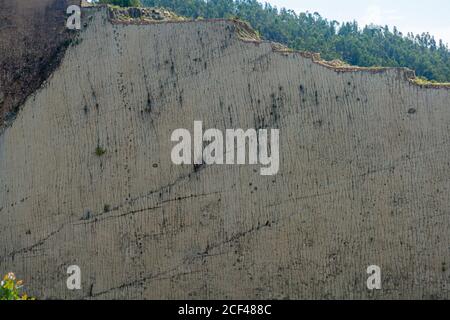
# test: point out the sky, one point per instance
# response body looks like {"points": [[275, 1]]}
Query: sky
{"points": [[415, 16]]}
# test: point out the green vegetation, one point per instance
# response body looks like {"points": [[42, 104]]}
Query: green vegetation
{"points": [[121, 3], [369, 46], [425, 82], [99, 151], [10, 288]]}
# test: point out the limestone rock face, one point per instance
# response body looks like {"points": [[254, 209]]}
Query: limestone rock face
{"points": [[364, 176]]}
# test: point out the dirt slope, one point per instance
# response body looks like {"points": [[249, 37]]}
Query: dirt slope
{"points": [[32, 37]]}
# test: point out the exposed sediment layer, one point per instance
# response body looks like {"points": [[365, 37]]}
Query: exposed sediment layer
{"points": [[364, 176]]}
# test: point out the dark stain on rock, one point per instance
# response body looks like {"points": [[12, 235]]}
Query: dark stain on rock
{"points": [[302, 89], [412, 111], [317, 124]]}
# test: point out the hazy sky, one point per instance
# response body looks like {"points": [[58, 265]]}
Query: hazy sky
{"points": [[415, 16]]}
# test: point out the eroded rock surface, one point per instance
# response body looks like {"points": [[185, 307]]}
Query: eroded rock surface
{"points": [[364, 177]]}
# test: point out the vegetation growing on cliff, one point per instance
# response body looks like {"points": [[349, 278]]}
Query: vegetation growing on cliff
{"points": [[99, 151], [366, 47], [10, 288], [120, 3]]}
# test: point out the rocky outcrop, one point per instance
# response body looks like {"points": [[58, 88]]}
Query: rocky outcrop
{"points": [[364, 176], [33, 39]]}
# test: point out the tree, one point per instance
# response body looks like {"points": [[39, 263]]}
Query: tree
{"points": [[370, 46]]}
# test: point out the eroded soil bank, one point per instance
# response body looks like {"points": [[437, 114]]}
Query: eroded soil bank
{"points": [[33, 39]]}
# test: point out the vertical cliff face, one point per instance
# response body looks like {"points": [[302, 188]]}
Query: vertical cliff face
{"points": [[364, 176]]}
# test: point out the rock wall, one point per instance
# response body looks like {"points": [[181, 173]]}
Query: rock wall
{"points": [[364, 176]]}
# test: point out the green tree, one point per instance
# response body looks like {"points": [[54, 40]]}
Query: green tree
{"points": [[364, 46]]}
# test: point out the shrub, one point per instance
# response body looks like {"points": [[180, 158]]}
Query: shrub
{"points": [[99, 151], [10, 288], [122, 3]]}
